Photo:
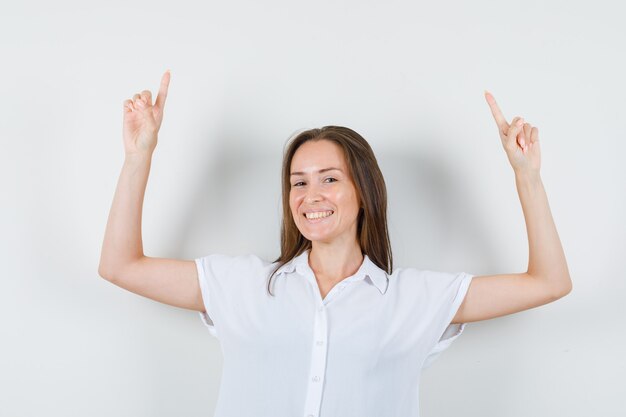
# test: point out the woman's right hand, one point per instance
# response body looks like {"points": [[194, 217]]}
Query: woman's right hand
{"points": [[142, 120]]}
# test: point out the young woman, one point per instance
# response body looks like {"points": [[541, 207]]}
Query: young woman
{"points": [[329, 328]]}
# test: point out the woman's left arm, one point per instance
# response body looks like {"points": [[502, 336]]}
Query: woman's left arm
{"points": [[547, 278]]}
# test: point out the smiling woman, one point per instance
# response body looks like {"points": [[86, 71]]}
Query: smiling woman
{"points": [[334, 198], [341, 332]]}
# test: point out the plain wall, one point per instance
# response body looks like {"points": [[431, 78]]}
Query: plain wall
{"points": [[408, 76]]}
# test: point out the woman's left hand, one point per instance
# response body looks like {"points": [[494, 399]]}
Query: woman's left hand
{"points": [[520, 140]]}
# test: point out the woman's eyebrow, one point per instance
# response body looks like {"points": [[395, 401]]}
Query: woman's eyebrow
{"points": [[320, 171]]}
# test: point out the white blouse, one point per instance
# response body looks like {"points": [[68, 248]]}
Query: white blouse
{"points": [[357, 352]]}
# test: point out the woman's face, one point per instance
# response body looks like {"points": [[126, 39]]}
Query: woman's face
{"points": [[323, 197]]}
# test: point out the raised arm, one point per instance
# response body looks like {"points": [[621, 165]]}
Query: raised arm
{"points": [[122, 260], [547, 278]]}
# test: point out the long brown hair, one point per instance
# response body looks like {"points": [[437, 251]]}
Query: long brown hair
{"points": [[370, 187]]}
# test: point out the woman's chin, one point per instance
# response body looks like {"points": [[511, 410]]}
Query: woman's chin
{"points": [[317, 237]]}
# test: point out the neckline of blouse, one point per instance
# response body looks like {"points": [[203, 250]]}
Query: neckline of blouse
{"points": [[368, 268]]}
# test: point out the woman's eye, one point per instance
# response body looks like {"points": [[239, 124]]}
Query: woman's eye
{"points": [[299, 183]]}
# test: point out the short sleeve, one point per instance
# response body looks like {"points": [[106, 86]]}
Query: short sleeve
{"points": [[226, 282], [450, 302], [213, 277], [204, 289]]}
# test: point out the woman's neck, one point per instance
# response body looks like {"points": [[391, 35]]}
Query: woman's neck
{"points": [[333, 263]]}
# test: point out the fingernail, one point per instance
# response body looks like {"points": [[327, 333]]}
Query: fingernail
{"points": [[520, 122]]}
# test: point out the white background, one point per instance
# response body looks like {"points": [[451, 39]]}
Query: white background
{"points": [[409, 76]]}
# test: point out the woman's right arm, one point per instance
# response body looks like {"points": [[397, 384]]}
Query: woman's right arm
{"points": [[122, 261]]}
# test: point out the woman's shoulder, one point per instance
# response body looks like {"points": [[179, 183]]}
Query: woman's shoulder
{"points": [[411, 271], [237, 262], [417, 276]]}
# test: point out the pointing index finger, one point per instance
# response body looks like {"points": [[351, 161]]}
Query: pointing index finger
{"points": [[495, 111], [165, 82]]}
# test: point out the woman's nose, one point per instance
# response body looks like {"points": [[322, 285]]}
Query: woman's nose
{"points": [[313, 194]]}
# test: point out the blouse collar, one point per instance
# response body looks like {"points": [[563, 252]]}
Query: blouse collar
{"points": [[368, 268]]}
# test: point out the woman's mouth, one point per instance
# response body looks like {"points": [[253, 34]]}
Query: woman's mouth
{"points": [[318, 216]]}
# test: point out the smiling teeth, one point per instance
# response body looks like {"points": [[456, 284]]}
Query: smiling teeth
{"points": [[318, 215]]}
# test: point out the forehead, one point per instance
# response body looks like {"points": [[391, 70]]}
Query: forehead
{"points": [[318, 155]]}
